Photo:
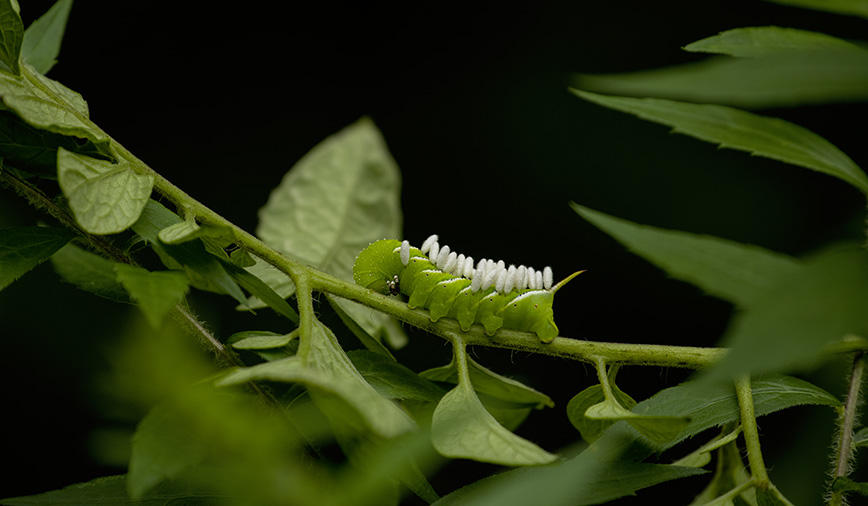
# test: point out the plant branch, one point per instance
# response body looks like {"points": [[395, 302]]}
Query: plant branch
{"points": [[751, 433], [847, 422]]}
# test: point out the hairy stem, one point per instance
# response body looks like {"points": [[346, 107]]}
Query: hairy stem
{"points": [[751, 433], [847, 422]]}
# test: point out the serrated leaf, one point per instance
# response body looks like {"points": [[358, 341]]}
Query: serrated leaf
{"points": [[789, 329], [90, 272], [462, 428], [23, 248], [105, 198], [502, 391], [741, 273], [736, 129], [765, 40], [156, 293], [392, 379], [11, 35], [340, 197], [778, 80], [590, 428], [851, 7], [41, 43], [844, 484]]}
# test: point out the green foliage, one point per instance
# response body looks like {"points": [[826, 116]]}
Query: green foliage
{"points": [[321, 380]]}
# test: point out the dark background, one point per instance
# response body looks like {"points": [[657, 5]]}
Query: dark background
{"points": [[472, 101]]}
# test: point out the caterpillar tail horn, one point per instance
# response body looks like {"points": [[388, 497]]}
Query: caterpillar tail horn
{"points": [[566, 280]]}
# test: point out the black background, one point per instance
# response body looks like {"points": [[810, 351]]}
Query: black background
{"points": [[472, 101]]}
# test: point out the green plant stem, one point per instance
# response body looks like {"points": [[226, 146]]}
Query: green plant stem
{"points": [[847, 422], [751, 433]]}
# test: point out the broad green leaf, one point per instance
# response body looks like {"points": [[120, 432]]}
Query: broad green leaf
{"points": [[583, 480], [340, 197], [11, 36], [279, 282], [392, 379], [741, 273], [90, 272], [590, 428], [224, 442], [190, 230], [322, 351], [156, 293], [23, 248], [657, 428], [35, 150], [366, 339], [42, 38], [850, 7], [729, 473], [736, 129], [367, 406], [112, 491], [844, 484], [861, 437], [765, 40], [778, 80], [254, 340], [789, 329], [261, 290], [498, 390], [49, 105], [713, 405], [462, 428], [105, 198], [203, 269]]}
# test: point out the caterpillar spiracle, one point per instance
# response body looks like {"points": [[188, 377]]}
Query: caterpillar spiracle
{"points": [[452, 286]]}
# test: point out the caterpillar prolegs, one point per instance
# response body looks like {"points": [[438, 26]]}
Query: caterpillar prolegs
{"points": [[451, 286]]}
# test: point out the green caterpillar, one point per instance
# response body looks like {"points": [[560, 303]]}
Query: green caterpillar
{"points": [[449, 285]]}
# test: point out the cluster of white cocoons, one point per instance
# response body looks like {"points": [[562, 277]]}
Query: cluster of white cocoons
{"points": [[486, 273]]}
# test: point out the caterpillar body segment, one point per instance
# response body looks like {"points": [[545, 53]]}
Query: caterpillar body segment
{"points": [[447, 285]]}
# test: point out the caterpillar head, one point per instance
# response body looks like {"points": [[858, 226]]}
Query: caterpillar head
{"points": [[377, 267]]}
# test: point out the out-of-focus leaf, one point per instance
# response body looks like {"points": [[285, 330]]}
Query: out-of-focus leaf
{"points": [[90, 272], [156, 293], [23, 248], [366, 339], [861, 437], [392, 379], [11, 35], [41, 43], [741, 273], [765, 40], [789, 329], [736, 129], [850, 7], [778, 80], [844, 484]]}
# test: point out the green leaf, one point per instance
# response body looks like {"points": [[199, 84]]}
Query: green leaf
{"points": [[340, 197], [777, 80], [90, 272], [372, 344], [42, 38], [23, 248], [112, 491], [261, 290], [657, 428], [590, 428], [392, 379], [203, 269], [365, 405], [462, 428], [850, 7], [765, 40], [256, 340], [498, 390], [156, 293], [35, 150], [715, 404], [861, 437], [844, 484], [789, 329], [11, 35], [732, 128], [278, 281], [105, 198], [741, 273], [190, 230]]}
